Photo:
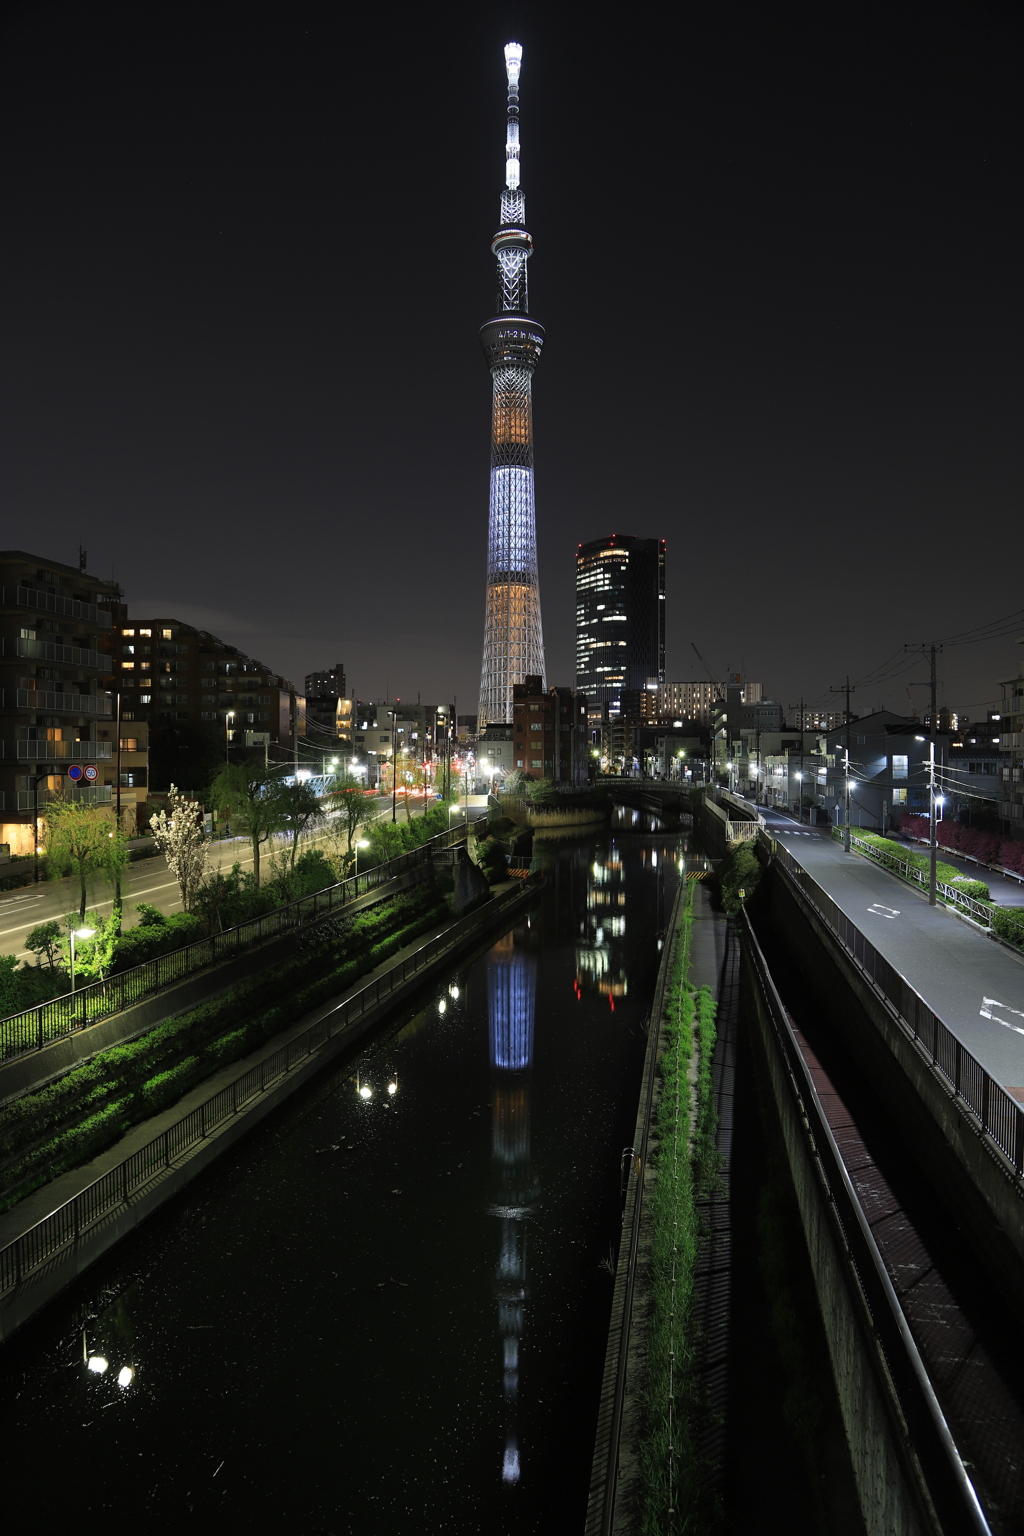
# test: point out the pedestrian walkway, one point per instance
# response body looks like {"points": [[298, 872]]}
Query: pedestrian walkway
{"points": [[974, 984]]}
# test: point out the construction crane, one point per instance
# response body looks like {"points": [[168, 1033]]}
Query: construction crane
{"points": [[704, 664]]}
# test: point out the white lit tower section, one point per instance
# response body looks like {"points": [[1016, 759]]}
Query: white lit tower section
{"points": [[513, 642]]}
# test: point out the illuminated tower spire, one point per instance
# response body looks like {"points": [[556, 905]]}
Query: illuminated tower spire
{"points": [[513, 642]]}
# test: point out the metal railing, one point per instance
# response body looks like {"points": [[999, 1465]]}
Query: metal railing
{"points": [[70, 1221], [49, 602], [49, 650], [37, 1027], [57, 703], [948, 1483], [57, 751], [977, 1095], [978, 910], [85, 794]]}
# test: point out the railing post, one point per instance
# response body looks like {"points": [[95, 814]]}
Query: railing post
{"points": [[40, 1045], [167, 1149], [202, 1118], [1018, 1149], [124, 1182], [985, 1081], [234, 1097], [958, 1069]]}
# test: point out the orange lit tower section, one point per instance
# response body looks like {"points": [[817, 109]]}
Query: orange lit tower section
{"points": [[513, 641]]}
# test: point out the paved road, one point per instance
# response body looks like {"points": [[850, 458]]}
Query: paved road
{"points": [[146, 880], [974, 985]]}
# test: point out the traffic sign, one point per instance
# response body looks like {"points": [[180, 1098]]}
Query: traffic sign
{"points": [[92, 773], [75, 772]]}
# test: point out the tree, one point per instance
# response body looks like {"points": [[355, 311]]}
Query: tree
{"points": [[300, 808], [93, 956], [350, 809], [178, 833], [45, 940], [248, 790], [113, 862], [77, 843]]}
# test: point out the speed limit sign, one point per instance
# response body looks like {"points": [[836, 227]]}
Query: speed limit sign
{"points": [[92, 773]]}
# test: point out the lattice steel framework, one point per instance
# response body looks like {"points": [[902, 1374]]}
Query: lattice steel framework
{"points": [[513, 639]]}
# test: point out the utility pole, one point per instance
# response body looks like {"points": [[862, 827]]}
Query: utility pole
{"points": [[933, 841], [849, 717]]}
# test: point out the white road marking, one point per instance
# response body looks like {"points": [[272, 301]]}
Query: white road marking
{"points": [[881, 910], [987, 1003]]}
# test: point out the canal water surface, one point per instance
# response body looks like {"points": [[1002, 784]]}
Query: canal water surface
{"points": [[385, 1311]]}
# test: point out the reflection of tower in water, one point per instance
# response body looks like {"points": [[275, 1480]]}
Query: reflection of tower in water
{"points": [[600, 950], [511, 999]]}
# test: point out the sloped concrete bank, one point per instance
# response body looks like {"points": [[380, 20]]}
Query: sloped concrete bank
{"points": [[35, 1286], [24, 1074]]}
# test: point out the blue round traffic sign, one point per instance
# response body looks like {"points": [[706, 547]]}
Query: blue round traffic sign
{"points": [[75, 772]]}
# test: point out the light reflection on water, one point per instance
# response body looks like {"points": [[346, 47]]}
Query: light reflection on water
{"points": [[311, 1327]]}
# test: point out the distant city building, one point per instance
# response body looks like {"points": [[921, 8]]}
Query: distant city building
{"points": [[327, 685], [888, 771], [56, 708], [688, 701], [549, 730], [168, 671], [818, 719], [1011, 731], [620, 618]]}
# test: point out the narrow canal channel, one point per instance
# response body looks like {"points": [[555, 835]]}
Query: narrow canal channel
{"points": [[385, 1312]]}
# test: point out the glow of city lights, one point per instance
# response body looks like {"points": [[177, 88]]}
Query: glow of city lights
{"points": [[442, 1006], [453, 991], [366, 1092], [97, 1364], [392, 1087], [125, 1376]]}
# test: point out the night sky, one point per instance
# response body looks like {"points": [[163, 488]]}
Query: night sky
{"points": [[778, 258]]}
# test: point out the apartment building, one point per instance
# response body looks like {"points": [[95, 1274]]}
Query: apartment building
{"points": [[56, 710], [549, 732], [167, 671]]}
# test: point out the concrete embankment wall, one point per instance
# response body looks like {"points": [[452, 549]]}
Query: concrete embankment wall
{"points": [[890, 1495], [24, 1074], [951, 1152]]}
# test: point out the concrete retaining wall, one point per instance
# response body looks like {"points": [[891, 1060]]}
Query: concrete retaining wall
{"points": [[960, 1164], [890, 1502]]}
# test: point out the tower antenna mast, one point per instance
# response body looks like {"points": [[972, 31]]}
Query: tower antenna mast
{"points": [[513, 639]]}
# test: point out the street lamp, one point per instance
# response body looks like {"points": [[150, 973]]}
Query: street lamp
{"points": [[362, 843], [229, 716], [800, 798], [77, 933]]}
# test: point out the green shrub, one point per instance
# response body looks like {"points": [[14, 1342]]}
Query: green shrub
{"points": [[151, 939], [968, 887], [167, 1086], [738, 871], [1008, 923]]}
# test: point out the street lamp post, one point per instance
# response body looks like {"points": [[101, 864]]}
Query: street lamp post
{"points": [[362, 843], [73, 934], [229, 716], [800, 798]]}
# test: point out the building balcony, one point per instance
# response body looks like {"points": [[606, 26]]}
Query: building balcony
{"points": [[57, 751], [97, 704], [49, 650], [23, 800], [49, 602]]}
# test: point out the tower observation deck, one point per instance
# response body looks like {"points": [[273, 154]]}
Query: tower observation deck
{"points": [[513, 641]]}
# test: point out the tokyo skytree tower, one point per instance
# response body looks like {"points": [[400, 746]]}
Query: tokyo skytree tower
{"points": [[513, 642]]}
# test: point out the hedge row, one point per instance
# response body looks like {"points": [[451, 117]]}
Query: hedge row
{"points": [[684, 1170], [150, 1073], [1008, 923], [989, 847]]}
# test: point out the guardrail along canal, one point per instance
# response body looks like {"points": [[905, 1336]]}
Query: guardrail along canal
{"points": [[384, 1312]]}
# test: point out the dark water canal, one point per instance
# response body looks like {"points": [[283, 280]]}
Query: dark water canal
{"points": [[384, 1312]]}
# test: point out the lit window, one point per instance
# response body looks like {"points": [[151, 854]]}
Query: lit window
{"points": [[900, 766], [128, 632], [129, 666], [165, 634], [145, 632], [899, 797], [145, 698]]}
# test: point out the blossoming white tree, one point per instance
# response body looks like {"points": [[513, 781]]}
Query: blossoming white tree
{"points": [[178, 833]]}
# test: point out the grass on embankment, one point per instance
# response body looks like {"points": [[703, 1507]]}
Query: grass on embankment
{"points": [[685, 1166], [44, 1134]]}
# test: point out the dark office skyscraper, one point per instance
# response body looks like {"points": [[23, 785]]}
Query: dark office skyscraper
{"points": [[620, 617]]}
